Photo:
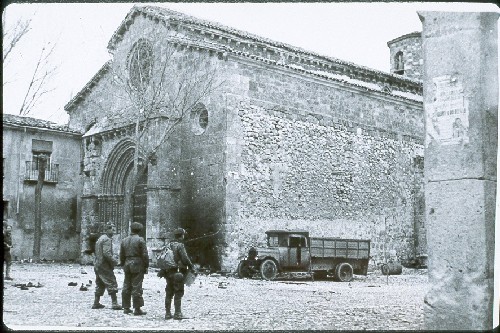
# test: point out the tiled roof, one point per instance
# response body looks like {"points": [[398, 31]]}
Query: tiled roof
{"points": [[358, 75], [164, 14], [13, 120]]}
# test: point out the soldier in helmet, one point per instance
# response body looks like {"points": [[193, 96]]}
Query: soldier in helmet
{"points": [[104, 263], [135, 262], [175, 276]]}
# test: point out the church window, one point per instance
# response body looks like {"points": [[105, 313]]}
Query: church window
{"points": [[140, 64], [399, 67], [199, 119]]}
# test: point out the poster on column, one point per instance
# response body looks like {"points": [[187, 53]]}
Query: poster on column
{"points": [[448, 115]]}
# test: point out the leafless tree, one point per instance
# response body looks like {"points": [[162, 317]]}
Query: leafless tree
{"points": [[43, 70], [163, 91]]}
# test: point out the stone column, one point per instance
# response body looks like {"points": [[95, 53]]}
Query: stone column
{"points": [[461, 107]]}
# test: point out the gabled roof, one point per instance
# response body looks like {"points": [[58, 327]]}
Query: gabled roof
{"points": [[226, 40], [88, 87], [18, 121], [168, 15]]}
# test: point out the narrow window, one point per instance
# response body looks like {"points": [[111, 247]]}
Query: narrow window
{"points": [[399, 66]]}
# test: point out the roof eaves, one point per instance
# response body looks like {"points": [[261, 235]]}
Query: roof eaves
{"points": [[410, 35], [88, 87]]}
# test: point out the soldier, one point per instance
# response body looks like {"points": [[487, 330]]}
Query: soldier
{"points": [[175, 276], [7, 245], [104, 263], [135, 261]]}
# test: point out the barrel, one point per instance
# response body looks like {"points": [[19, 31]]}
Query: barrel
{"points": [[391, 268]]}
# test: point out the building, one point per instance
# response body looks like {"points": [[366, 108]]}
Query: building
{"points": [[24, 140], [290, 139]]}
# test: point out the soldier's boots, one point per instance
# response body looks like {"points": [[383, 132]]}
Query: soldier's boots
{"points": [[127, 311], [178, 316], [96, 304], [177, 305], [168, 306], [139, 312], [114, 302]]}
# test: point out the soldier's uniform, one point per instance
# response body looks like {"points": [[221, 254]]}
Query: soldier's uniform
{"points": [[7, 244], [175, 276], [135, 261], [104, 263]]}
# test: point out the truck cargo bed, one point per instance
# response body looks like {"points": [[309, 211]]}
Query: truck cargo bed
{"points": [[340, 248]]}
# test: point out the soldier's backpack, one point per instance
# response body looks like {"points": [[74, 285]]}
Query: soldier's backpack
{"points": [[165, 259]]}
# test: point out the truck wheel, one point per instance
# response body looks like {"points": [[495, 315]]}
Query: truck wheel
{"points": [[243, 270], [343, 272], [268, 269]]}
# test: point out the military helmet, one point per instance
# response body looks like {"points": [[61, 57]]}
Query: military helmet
{"points": [[136, 227], [179, 232], [178, 277]]}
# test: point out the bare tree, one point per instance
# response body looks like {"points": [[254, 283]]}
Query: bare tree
{"points": [[43, 70], [161, 92]]}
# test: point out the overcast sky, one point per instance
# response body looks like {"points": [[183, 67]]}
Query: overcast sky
{"points": [[353, 32]]}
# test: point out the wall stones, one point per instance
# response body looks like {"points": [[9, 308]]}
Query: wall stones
{"points": [[297, 173]]}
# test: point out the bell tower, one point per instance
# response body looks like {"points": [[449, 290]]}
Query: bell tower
{"points": [[406, 55]]}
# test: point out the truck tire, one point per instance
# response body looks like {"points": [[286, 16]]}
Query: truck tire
{"points": [[268, 269], [243, 270], [344, 272]]}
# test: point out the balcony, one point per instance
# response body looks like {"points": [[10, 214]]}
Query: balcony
{"points": [[51, 172]]}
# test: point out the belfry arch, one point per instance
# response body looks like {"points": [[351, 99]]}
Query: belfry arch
{"points": [[118, 202]]}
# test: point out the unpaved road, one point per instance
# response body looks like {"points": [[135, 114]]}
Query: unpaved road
{"points": [[370, 302]]}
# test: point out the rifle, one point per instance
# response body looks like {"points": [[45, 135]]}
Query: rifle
{"points": [[204, 236]]}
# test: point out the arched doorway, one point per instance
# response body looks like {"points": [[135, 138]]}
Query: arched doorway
{"points": [[122, 202]]}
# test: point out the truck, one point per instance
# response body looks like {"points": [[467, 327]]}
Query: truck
{"points": [[296, 251]]}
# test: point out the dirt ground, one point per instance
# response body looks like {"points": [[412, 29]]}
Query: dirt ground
{"points": [[214, 302]]}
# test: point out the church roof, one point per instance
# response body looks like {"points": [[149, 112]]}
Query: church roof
{"points": [[227, 40], [19, 121]]}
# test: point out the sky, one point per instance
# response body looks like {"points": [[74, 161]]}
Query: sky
{"points": [[355, 32]]}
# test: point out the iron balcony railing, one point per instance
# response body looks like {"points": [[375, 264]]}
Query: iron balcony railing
{"points": [[51, 172]]}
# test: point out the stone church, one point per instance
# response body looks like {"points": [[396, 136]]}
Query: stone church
{"points": [[283, 138]]}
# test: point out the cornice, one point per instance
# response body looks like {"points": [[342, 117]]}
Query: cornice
{"points": [[260, 48], [88, 87]]}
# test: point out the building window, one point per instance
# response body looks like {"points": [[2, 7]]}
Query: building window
{"points": [[37, 157], [39, 148], [399, 66], [140, 64], [199, 119]]}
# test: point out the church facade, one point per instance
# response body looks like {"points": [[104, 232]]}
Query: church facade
{"points": [[283, 138]]}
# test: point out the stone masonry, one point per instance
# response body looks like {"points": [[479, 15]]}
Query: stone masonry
{"points": [[294, 140]]}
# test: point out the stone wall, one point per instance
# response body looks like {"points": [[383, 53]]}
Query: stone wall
{"points": [[339, 162], [332, 182]]}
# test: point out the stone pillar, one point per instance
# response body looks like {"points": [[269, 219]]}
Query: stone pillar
{"points": [[461, 107]]}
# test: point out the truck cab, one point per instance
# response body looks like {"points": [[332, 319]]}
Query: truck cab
{"points": [[293, 248]]}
